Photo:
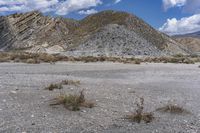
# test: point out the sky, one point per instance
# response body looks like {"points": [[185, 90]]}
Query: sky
{"points": [[169, 16]]}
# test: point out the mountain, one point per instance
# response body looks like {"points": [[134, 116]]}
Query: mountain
{"points": [[192, 43], [105, 33], [194, 34]]}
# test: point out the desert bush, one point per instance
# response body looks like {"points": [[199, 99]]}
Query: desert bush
{"points": [[178, 55], [139, 115], [174, 109], [43, 57], [71, 82], [32, 61], [72, 102], [52, 87], [59, 85]]}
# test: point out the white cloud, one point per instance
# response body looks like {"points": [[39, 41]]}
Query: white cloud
{"points": [[117, 1], [25, 5], [182, 26], [87, 12], [57, 6], [74, 5], [173, 3]]}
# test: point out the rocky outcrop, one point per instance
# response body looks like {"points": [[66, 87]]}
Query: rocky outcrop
{"points": [[7, 38]]}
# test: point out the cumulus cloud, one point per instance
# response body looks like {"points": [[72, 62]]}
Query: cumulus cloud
{"points": [[74, 5], [117, 1], [25, 5], [185, 25], [59, 7], [87, 12], [192, 6], [173, 3]]}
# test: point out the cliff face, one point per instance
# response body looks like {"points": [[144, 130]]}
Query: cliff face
{"points": [[23, 31], [7, 38], [126, 34]]}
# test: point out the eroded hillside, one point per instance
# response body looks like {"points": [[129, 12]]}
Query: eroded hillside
{"points": [[105, 33]]}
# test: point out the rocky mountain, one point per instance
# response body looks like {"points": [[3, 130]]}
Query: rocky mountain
{"points": [[194, 34], [105, 33], [192, 43]]}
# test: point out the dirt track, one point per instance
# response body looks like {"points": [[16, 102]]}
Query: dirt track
{"points": [[115, 87]]}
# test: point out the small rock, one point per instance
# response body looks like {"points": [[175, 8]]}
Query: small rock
{"points": [[0, 109], [13, 92], [4, 100], [84, 111], [32, 116]]}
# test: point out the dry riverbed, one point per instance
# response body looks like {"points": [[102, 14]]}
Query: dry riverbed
{"points": [[114, 87]]}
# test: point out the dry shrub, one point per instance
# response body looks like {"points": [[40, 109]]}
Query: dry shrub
{"points": [[71, 82], [43, 57], [31, 61], [176, 59], [52, 87], [73, 102], [139, 115], [173, 109], [59, 86]]}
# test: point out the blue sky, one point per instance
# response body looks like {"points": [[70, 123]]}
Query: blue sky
{"points": [[169, 16]]}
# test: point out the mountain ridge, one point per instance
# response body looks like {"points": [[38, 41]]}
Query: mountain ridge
{"points": [[34, 32]]}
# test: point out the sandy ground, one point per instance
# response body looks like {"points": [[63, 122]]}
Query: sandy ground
{"points": [[115, 87]]}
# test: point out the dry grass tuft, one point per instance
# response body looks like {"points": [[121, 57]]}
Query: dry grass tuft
{"points": [[52, 87], [32, 61], [139, 115], [173, 109], [73, 102], [71, 82], [59, 86]]}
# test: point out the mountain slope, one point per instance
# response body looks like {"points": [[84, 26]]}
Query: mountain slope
{"points": [[104, 33], [192, 43], [195, 35]]}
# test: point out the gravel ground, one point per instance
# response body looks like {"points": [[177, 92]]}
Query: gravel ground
{"points": [[115, 87]]}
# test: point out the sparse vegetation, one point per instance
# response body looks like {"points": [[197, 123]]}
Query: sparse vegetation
{"points": [[177, 59], [36, 58], [52, 87], [139, 115], [59, 86], [71, 82], [174, 109], [73, 102]]}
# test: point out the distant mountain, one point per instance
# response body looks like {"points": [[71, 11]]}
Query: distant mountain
{"points": [[195, 34], [191, 41], [108, 33]]}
